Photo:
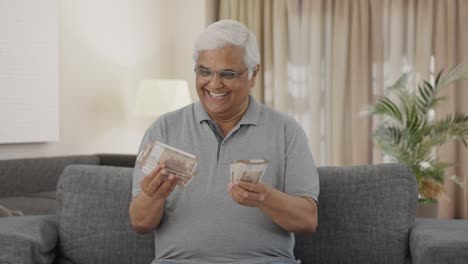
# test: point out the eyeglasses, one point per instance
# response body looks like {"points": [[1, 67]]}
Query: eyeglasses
{"points": [[228, 75]]}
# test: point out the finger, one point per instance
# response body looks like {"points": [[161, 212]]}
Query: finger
{"points": [[166, 186], [171, 188], [157, 181], [230, 190], [148, 178], [240, 194], [238, 198], [250, 186], [157, 169], [248, 195], [145, 182], [261, 189], [234, 195]]}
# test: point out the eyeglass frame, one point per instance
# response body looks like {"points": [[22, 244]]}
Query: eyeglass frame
{"points": [[220, 73]]}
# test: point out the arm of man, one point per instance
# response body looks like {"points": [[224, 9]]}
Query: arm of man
{"points": [[293, 213], [147, 208]]}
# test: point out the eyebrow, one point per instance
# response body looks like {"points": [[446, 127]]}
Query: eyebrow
{"points": [[205, 68]]}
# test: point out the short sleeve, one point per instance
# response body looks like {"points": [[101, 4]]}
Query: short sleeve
{"points": [[154, 132], [301, 176]]}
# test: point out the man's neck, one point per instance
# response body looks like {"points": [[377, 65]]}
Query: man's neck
{"points": [[227, 124]]}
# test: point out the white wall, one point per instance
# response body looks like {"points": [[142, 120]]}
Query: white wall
{"points": [[29, 71], [106, 47]]}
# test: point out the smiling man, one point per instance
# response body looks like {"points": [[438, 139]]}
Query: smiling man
{"points": [[213, 220]]}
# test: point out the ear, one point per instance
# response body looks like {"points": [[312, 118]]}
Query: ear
{"points": [[257, 68], [254, 75]]}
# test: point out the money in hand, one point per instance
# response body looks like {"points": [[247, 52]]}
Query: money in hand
{"points": [[178, 162], [248, 170]]}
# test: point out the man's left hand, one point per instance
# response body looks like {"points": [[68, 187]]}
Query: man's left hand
{"points": [[249, 193]]}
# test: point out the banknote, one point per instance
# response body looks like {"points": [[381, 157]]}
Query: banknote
{"points": [[247, 170], [177, 161]]}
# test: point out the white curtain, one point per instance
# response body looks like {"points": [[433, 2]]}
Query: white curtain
{"points": [[324, 60], [329, 78], [425, 37]]}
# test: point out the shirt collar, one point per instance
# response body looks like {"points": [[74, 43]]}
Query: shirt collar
{"points": [[250, 117], [200, 113]]}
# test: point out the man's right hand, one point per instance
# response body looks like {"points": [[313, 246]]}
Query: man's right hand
{"points": [[158, 184], [147, 208]]}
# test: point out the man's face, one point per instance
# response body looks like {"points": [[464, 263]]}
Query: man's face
{"points": [[223, 97]]}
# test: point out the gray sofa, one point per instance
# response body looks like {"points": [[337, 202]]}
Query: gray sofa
{"points": [[29, 185], [366, 215]]}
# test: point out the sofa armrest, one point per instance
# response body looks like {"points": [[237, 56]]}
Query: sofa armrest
{"points": [[439, 241], [28, 239]]}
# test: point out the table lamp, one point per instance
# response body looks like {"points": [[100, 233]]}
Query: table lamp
{"points": [[156, 97]]}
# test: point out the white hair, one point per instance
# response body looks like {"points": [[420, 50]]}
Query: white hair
{"points": [[229, 32]]}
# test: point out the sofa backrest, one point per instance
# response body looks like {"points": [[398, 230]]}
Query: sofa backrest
{"points": [[365, 214], [93, 221], [117, 160], [33, 175]]}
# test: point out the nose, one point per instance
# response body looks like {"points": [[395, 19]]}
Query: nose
{"points": [[216, 81]]}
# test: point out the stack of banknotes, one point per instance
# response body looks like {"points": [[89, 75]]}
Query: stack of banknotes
{"points": [[183, 164], [248, 170], [178, 162]]}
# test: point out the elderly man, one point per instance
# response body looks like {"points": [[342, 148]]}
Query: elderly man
{"points": [[213, 220]]}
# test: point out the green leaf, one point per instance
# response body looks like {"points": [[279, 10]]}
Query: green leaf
{"points": [[401, 83], [407, 135], [386, 107], [437, 79]]}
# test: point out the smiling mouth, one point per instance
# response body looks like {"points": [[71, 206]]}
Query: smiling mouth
{"points": [[218, 95]]}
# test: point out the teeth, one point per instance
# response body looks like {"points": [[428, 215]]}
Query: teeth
{"points": [[218, 95]]}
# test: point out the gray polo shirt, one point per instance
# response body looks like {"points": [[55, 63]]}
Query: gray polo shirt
{"points": [[201, 223]]}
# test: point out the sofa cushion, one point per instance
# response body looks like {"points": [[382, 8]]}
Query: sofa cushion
{"points": [[365, 214], [28, 239], [435, 241], [94, 225]]}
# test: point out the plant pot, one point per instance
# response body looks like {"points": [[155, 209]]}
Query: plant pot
{"points": [[427, 210]]}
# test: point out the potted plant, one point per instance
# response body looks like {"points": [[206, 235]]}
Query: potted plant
{"points": [[409, 133]]}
